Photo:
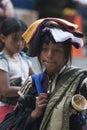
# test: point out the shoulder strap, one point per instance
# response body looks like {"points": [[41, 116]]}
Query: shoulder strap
{"points": [[3, 56], [25, 57], [37, 78], [23, 54]]}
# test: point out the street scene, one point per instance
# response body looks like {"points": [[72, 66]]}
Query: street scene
{"points": [[80, 62], [43, 64]]}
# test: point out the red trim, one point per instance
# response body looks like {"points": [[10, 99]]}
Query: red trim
{"points": [[5, 110]]}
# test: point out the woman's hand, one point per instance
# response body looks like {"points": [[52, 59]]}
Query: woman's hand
{"points": [[41, 103]]}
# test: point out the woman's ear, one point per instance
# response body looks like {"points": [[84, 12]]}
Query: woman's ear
{"points": [[2, 38]]}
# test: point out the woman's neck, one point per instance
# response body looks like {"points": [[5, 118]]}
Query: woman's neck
{"points": [[10, 54], [52, 74]]}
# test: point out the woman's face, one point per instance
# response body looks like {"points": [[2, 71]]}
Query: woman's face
{"points": [[52, 57], [14, 42]]}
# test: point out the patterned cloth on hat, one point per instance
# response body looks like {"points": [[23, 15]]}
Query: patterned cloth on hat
{"points": [[33, 33]]}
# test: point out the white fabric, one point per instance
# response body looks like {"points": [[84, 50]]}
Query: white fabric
{"points": [[84, 2], [17, 67], [61, 36], [7, 9], [3, 104]]}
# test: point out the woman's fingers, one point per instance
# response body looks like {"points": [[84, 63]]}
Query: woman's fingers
{"points": [[42, 100]]}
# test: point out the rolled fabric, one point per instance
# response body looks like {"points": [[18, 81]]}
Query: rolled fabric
{"points": [[33, 33]]}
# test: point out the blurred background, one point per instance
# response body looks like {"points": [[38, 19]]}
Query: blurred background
{"points": [[72, 10]]}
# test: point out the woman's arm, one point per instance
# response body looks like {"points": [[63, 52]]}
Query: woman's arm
{"points": [[5, 88], [41, 103], [31, 71]]}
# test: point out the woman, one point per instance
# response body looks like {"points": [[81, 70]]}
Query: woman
{"points": [[7, 8], [46, 99], [15, 66]]}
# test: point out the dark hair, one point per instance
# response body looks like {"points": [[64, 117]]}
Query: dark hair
{"points": [[47, 37], [2, 18], [10, 25]]}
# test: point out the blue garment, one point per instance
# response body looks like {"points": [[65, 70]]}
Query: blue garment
{"points": [[37, 79]]}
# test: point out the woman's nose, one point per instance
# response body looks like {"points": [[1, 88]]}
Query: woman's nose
{"points": [[49, 54], [20, 42]]}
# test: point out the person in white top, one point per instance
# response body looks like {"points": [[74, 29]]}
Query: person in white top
{"points": [[6, 8], [15, 65], [84, 2]]}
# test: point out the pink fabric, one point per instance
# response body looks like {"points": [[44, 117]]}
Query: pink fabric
{"points": [[5, 110]]}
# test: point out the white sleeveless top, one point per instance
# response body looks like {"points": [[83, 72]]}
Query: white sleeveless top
{"points": [[17, 67]]}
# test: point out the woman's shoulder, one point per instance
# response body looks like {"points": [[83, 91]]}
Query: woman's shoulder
{"points": [[3, 62], [26, 58], [83, 85], [23, 54], [78, 70]]}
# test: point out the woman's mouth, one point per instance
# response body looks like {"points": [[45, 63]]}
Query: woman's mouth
{"points": [[48, 62]]}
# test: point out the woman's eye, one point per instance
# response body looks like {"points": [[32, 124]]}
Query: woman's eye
{"points": [[59, 50], [56, 50], [15, 38], [22, 40], [44, 49]]}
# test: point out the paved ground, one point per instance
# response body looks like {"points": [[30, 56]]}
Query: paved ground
{"points": [[79, 61]]}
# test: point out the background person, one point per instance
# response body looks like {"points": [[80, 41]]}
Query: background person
{"points": [[6, 8], [2, 18], [81, 8], [15, 66]]}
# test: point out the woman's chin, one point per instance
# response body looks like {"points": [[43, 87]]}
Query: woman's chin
{"points": [[50, 71]]}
